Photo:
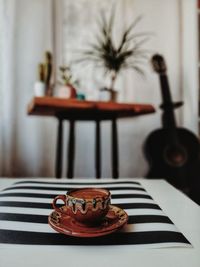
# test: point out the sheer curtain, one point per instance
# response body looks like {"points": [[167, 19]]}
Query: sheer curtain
{"points": [[8, 18], [26, 34]]}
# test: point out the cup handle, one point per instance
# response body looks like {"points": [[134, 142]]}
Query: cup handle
{"points": [[54, 204]]}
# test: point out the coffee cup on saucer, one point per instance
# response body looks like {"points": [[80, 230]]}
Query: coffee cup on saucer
{"points": [[85, 205]]}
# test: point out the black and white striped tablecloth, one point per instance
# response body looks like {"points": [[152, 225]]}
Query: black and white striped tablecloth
{"points": [[25, 206]]}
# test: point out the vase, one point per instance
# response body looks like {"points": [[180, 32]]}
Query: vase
{"points": [[106, 94], [39, 89], [113, 95], [66, 91]]}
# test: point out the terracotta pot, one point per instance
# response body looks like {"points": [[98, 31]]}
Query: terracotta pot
{"points": [[66, 91]]}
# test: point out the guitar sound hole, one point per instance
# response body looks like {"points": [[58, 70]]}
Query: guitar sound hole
{"points": [[175, 156]]}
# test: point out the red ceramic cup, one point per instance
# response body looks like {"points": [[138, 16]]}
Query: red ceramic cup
{"points": [[85, 205]]}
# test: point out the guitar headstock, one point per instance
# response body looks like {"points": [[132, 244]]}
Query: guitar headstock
{"points": [[158, 64]]}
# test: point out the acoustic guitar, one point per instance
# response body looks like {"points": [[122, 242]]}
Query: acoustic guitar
{"points": [[171, 151]]}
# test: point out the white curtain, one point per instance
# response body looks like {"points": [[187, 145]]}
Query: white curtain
{"points": [[25, 36], [8, 81]]}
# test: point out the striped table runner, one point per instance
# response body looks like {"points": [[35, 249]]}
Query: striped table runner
{"points": [[25, 206]]}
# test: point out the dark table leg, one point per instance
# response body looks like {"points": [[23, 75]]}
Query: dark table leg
{"points": [[98, 150], [58, 168], [115, 171], [71, 149]]}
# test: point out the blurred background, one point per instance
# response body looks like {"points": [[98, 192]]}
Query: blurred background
{"points": [[28, 28]]}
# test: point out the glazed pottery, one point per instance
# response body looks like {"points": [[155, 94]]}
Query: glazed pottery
{"points": [[85, 205], [114, 220]]}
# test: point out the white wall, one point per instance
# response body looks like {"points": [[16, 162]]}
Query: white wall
{"points": [[36, 137], [190, 64]]}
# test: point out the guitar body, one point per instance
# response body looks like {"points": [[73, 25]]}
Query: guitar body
{"points": [[169, 161], [172, 152]]}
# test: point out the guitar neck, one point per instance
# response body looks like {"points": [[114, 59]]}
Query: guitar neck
{"points": [[168, 112]]}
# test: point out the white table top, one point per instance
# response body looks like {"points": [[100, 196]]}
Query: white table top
{"points": [[181, 210]]}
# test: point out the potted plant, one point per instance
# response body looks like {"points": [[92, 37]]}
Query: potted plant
{"points": [[113, 57], [66, 89]]}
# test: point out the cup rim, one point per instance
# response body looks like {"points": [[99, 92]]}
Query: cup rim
{"points": [[86, 188]]}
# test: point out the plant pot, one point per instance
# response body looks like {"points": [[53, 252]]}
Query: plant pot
{"points": [[66, 91], [106, 94], [39, 89], [113, 95]]}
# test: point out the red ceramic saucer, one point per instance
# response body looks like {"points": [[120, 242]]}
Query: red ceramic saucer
{"points": [[114, 220]]}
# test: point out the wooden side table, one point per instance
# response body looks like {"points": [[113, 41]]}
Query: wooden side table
{"points": [[76, 110]]}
